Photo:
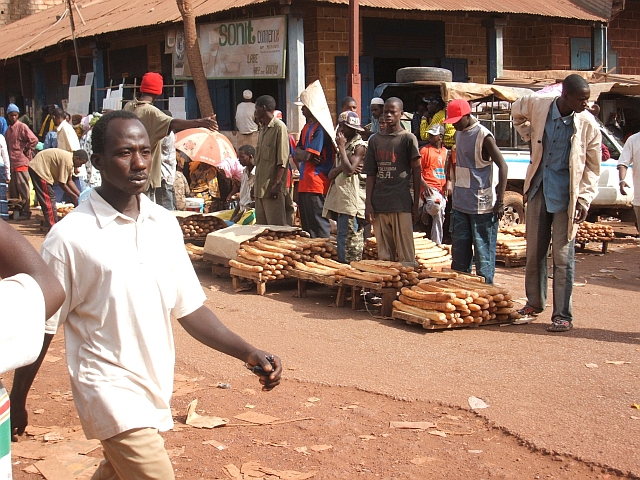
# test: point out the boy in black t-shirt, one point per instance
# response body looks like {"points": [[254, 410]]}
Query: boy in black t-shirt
{"points": [[392, 159]]}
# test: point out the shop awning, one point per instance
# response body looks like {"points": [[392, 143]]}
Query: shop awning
{"points": [[95, 17]]}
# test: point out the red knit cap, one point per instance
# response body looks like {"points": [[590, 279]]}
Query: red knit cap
{"points": [[151, 83]]}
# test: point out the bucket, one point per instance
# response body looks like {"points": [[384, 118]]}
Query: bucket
{"points": [[194, 204]]}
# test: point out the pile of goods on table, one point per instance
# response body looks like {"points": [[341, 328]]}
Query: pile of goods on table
{"points": [[195, 252], [199, 226], [518, 230], [594, 232], [389, 274], [429, 255], [509, 245], [64, 210], [453, 297], [275, 254]]}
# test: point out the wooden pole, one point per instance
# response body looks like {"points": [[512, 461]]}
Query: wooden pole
{"points": [[353, 79], [73, 36]]}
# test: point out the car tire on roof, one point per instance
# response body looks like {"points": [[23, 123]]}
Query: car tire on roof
{"points": [[429, 74]]}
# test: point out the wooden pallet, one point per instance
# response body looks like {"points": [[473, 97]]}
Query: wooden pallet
{"points": [[220, 266], [428, 325], [305, 277], [511, 262], [388, 294]]}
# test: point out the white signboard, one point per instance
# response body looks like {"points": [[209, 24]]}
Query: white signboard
{"points": [[251, 48]]}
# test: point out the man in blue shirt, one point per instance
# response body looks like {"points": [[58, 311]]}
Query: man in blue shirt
{"points": [[561, 182]]}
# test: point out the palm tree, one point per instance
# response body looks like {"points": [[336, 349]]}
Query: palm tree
{"points": [[195, 59]]}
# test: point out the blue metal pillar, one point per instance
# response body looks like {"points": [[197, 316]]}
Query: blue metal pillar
{"points": [[599, 47], [190, 100], [98, 79], [495, 53], [39, 75], [295, 79]]}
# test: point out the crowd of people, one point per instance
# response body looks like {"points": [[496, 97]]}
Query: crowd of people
{"points": [[106, 278]]}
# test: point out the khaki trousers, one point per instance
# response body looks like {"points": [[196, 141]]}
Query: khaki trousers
{"points": [[136, 454], [394, 235], [271, 211]]}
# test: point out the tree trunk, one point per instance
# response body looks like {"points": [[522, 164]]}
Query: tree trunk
{"points": [[195, 58]]}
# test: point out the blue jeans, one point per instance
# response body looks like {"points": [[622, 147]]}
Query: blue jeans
{"points": [[474, 232], [539, 237]]}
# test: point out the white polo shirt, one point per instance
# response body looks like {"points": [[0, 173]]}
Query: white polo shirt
{"points": [[246, 185], [631, 153], [123, 279]]}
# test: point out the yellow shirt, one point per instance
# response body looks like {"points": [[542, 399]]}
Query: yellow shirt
{"points": [[438, 118]]}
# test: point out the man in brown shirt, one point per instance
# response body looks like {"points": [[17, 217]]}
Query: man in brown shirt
{"points": [[271, 160]]}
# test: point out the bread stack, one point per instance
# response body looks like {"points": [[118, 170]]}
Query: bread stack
{"points": [[429, 255], [594, 232], [509, 245], [458, 299]]}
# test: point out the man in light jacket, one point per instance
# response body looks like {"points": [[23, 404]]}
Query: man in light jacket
{"points": [[560, 185]]}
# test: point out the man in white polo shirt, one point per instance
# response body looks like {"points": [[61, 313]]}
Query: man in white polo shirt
{"points": [[121, 260], [630, 152]]}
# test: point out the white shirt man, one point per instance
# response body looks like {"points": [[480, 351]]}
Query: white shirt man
{"points": [[244, 114]]}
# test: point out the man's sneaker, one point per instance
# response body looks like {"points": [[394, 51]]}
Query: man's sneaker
{"points": [[560, 325], [528, 313]]}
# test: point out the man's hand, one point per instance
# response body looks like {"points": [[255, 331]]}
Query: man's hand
{"points": [[581, 213], [314, 159], [273, 191], [415, 212], [210, 122], [19, 419], [498, 209], [448, 189], [341, 140], [259, 358], [623, 185], [368, 213]]}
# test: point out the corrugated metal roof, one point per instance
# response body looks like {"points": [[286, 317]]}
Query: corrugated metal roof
{"points": [[555, 8], [46, 28]]}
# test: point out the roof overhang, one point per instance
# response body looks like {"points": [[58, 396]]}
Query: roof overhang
{"points": [[95, 17]]}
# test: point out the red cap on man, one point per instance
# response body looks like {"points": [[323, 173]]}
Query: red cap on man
{"points": [[457, 109], [152, 83]]}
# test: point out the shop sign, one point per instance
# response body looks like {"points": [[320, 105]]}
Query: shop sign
{"points": [[250, 48]]}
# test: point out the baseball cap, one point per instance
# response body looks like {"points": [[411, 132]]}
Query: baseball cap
{"points": [[457, 109], [351, 119], [437, 129]]}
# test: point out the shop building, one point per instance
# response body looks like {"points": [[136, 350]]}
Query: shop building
{"points": [[120, 40]]}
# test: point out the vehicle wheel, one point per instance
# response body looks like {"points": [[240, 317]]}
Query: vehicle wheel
{"points": [[431, 74], [513, 209]]}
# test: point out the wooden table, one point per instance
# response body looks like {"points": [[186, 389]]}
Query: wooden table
{"points": [[388, 294], [238, 275], [220, 266], [305, 277]]}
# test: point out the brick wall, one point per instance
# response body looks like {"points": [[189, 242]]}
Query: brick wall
{"points": [[625, 38], [12, 10], [326, 37]]}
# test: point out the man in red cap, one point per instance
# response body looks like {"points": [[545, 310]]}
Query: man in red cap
{"points": [[158, 124], [477, 207]]}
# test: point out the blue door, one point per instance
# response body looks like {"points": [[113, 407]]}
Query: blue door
{"points": [[366, 79]]}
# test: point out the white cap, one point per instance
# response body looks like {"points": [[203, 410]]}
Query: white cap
{"points": [[377, 101], [437, 129], [247, 94]]}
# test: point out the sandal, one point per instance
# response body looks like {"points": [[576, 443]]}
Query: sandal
{"points": [[528, 313], [560, 326]]}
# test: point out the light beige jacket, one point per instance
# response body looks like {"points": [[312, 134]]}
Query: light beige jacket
{"points": [[529, 117]]}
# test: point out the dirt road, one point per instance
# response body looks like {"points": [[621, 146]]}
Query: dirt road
{"points": [[542, 388]]}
